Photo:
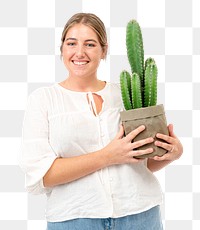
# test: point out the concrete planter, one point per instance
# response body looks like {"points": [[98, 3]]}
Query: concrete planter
{"points": [[153, 118]]}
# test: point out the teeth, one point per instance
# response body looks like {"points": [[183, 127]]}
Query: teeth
{"points": [[80, 63]]}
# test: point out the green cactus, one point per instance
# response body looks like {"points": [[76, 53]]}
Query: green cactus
{"points": [[139, 89], [150, 84], [135, 51], [148, 61], [125, 82], [136, 91]]}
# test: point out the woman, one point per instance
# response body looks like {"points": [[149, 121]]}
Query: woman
{"points": [[74, 148]]}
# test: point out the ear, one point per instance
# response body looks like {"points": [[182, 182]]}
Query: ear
{"points": [[105, 50], [61, 50]]}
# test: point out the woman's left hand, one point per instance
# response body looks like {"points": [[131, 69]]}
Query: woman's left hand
{"points": [[172, 144]]}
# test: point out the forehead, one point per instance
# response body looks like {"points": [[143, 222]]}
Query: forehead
{"points": [[81, 31]]}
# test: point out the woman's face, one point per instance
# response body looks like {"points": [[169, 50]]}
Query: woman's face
{"points": [[82, 51]]}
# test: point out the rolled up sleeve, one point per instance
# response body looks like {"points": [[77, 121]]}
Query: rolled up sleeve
{"points": [[37, 155]]}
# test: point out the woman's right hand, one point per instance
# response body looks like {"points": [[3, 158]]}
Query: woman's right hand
{"points": [[122, 150]]}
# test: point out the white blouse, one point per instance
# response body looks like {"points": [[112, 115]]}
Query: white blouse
{"points": [[61, 123]]}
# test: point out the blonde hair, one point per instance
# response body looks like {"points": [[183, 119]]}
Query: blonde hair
{"points": [[93, 22]]}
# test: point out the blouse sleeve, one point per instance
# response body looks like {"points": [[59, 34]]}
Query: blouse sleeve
{"points": [[37, 154]]}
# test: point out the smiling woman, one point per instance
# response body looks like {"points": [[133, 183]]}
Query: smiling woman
{"points": [[91, 21], [74, 149], [82, 52]]}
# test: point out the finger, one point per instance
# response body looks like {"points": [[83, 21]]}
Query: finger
{"points": [[164, 145], [133, 160], [165, 137], [135, 132], [171, 130], [120, 134], [162, 158], [136, 153], [140, 143]]}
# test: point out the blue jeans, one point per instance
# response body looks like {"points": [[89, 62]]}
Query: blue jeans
{"points": [[148, 220]]}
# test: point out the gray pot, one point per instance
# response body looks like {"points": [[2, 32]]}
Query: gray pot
{"points": [[153, 118]]}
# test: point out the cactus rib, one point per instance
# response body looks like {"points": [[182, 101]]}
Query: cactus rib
{"points": [[153, 99], [150, 86], [136, 91], [125, 83], [135, 51]]}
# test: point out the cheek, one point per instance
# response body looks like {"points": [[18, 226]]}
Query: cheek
{"points": [[97, 55], [67, 51], [66, 54]]}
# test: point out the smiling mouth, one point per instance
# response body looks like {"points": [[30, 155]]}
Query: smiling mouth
{"points": [[80, 63]]}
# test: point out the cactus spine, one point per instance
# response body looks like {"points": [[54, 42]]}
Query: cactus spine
{"points": [[140, 88], [135, 51], [150, 84], [136, 91], [125, 82]]}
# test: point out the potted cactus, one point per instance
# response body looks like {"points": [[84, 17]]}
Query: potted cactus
{"points": [[139, 92]]}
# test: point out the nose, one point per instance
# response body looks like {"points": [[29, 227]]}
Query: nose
{"points": [[80, 51]]}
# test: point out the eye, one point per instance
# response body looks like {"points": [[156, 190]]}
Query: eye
{"points": [[71, 43], [90, 45]]}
